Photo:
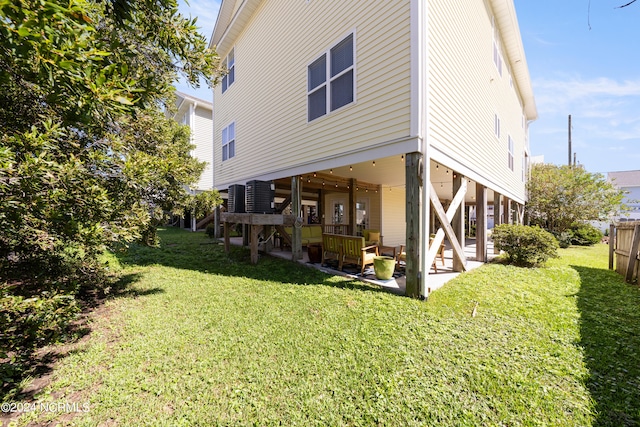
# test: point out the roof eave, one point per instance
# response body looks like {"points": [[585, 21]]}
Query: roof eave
{"points": [[507, 20]]}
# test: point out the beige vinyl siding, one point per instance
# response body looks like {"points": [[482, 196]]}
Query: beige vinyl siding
{"points": [[466, 91], [394, 223], [202, 138], [268, 102]]}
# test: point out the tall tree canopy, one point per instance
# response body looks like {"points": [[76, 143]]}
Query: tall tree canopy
{"points": [[86, 155], [560, 196]]}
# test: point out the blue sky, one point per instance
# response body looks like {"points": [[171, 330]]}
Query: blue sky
{"points": [[583, 59]]}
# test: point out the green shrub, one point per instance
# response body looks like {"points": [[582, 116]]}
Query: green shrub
{"points": [[29, 323], [524, 245], [564, 239], [585, 234], [210, 230]]}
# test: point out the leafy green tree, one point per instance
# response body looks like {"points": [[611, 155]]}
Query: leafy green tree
{"points": [[560, 196], [87, 156]]}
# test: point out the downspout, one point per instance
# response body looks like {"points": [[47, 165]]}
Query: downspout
{"points": [[423, 128]]}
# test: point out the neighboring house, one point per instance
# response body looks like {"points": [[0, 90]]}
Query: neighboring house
{"points": [[629, 181], [198, 115], [376, 108]]}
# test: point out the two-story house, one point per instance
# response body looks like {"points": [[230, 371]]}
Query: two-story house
{"points": [[379, 113]]}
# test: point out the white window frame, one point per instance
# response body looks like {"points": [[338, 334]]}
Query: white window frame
{"points": [[510, 155], [227, 140], [230, 77], [330, 79]]}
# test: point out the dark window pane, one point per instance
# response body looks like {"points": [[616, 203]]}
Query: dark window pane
{"points": [[317, 72], [225, 152], [342, 90], [224, 84], [232, 149], [232, 75], [342, 56], [318, 103]]}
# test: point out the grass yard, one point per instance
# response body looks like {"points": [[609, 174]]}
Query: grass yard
{"points": [[202, 338]]}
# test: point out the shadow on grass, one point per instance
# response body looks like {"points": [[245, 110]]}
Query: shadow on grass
{"points": [[195, 251], [21, 366], [610, 336]]}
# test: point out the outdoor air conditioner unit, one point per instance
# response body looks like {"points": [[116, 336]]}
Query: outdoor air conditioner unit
{"points": [[259, 197], [236, 199]]}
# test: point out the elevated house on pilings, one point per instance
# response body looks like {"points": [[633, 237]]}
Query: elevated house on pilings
{"points": [[384, 115]]}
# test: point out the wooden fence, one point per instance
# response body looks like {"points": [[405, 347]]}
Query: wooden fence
{"points": [[625, 246]]}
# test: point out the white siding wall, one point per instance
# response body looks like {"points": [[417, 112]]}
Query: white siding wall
{"points": [[268, 101], [466, 92], [202, 138]]}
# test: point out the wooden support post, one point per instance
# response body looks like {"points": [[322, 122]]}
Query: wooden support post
{"points": [[633, 253], [352, 207], [255, 231], [227, 237], [497, 218], [216, 222], [245, 235], [296, 206], [481, 223], [321, 208], [507, 211], [458, 221], [612, 232], [413, 232]]}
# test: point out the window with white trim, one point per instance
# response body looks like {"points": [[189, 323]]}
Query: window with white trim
{"points": [[230, 65], [331, 80], [496, 125], [511, 166], [229, 142]]}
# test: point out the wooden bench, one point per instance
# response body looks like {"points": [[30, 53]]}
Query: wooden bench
{"points": [[348, 249]]}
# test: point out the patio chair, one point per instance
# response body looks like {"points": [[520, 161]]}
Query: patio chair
{"points": [[354, 251], [402, 255], [372, 237]]}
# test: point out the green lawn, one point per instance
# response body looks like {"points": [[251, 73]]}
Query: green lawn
{"points": [[202, 338]]}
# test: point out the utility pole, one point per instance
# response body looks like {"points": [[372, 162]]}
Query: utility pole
{"points": [[569, 163]]}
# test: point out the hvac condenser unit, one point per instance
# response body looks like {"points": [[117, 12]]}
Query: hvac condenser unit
{"points": [[236, 199], [259, 197]]}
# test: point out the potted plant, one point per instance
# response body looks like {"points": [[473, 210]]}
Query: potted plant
{"points": [[384, 267]]}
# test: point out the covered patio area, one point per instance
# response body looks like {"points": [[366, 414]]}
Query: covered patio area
{"points": [[397, 284]]}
